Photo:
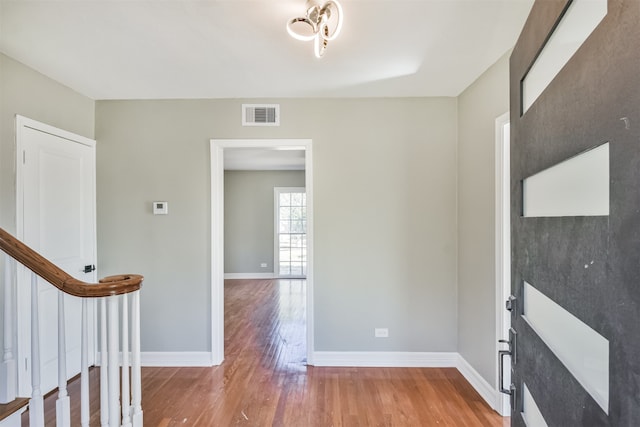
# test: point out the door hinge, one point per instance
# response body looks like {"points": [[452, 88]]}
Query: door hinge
{"points": [[24, 157]]}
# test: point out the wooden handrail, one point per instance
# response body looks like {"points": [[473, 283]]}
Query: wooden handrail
{"points": [[112, 285]]}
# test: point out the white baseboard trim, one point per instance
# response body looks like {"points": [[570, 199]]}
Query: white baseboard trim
{"points": [[8, 387], [13, 420], [385, 359], [249, 275], [174, 359], [484, 389]]}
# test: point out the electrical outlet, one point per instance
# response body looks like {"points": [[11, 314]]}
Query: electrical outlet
{"points": [[263, 265], [382, 333]]}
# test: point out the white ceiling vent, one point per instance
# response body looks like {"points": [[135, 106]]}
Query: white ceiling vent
{"points": [[260, 114]]}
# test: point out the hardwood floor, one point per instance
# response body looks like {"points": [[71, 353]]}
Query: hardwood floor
{"points": [[264, 380]]}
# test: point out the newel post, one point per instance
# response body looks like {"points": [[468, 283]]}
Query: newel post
{"points": [[8, 362]]}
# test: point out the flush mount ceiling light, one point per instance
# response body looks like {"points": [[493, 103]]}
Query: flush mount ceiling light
{"points": [[322, 23]]}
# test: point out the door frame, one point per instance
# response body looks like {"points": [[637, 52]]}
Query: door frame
{"points": [[503, 250], [217, 234], [23, 293]]}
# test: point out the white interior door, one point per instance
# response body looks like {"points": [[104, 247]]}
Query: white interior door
{"points": [[56, 217]]}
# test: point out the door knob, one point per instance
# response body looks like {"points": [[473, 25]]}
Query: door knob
{"points": [[508, 305], [511, 342]]}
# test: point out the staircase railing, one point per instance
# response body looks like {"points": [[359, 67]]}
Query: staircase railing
{"points": [[120, 392]]}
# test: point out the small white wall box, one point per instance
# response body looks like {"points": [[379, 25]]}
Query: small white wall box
{"points": [[160, 208]]}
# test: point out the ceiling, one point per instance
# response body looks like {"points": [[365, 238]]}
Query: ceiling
{"points": [[125, 49]]}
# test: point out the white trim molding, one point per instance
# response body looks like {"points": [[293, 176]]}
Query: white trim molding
{"points": [[502, 251], [176, 359], [490, 395], [217, 233], [173, 359], [395, 359], [249, 276], [15, 419]]}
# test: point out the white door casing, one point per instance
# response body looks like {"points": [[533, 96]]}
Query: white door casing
{"points": [[55, 199], [217, 234], [503, 254]]}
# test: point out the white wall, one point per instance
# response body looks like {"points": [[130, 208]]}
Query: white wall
{"points": [[28, 93], [386, 208], [385, 214], [478, 107], [249, 217]]}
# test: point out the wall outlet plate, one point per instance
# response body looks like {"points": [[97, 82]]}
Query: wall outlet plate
{"points": [[382, 332]]}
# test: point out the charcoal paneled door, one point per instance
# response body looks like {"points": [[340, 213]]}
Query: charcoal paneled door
{"points": [[575, 185]]}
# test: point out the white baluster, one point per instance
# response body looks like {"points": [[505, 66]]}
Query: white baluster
{"points": [[126, 403], [84, 369], [114, 386], [136, 382], [36, 403], [8, 366], [104, 366], [63, 408]]}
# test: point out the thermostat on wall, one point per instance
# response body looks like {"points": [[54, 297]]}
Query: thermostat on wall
{"points": [[160, 208]]}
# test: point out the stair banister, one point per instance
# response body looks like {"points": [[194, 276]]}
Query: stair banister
{"points": [[113, 292], [114, 285]]}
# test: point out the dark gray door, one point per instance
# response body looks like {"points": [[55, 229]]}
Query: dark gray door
{"points": [[587, 265]]}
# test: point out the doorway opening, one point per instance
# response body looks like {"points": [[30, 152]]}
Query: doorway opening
{"points": [[218, 150], [503, 255]]}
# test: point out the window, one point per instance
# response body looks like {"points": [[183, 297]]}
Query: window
{"points": [[291, 232], [575, 26]]}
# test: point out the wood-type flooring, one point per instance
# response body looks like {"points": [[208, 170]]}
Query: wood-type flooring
{"points": [[264, 380]]}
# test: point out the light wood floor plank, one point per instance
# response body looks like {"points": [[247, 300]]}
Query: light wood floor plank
{"points": [[264, 380]]}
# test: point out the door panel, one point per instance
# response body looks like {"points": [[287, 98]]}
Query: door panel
{"points": [[589, 265], [57, 197]]}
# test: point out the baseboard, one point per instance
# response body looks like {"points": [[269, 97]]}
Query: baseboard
{"points": [[171, 359], [176, 359], [484, 389], [249, 275], [13, 420], [385, 359], [8, 386]]}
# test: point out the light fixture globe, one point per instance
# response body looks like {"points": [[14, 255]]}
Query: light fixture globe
{"points": [[301, 29], [322, 23], [327, 21]]}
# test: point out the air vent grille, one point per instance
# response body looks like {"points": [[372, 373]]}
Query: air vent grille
{"points": [[260, 115]]}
